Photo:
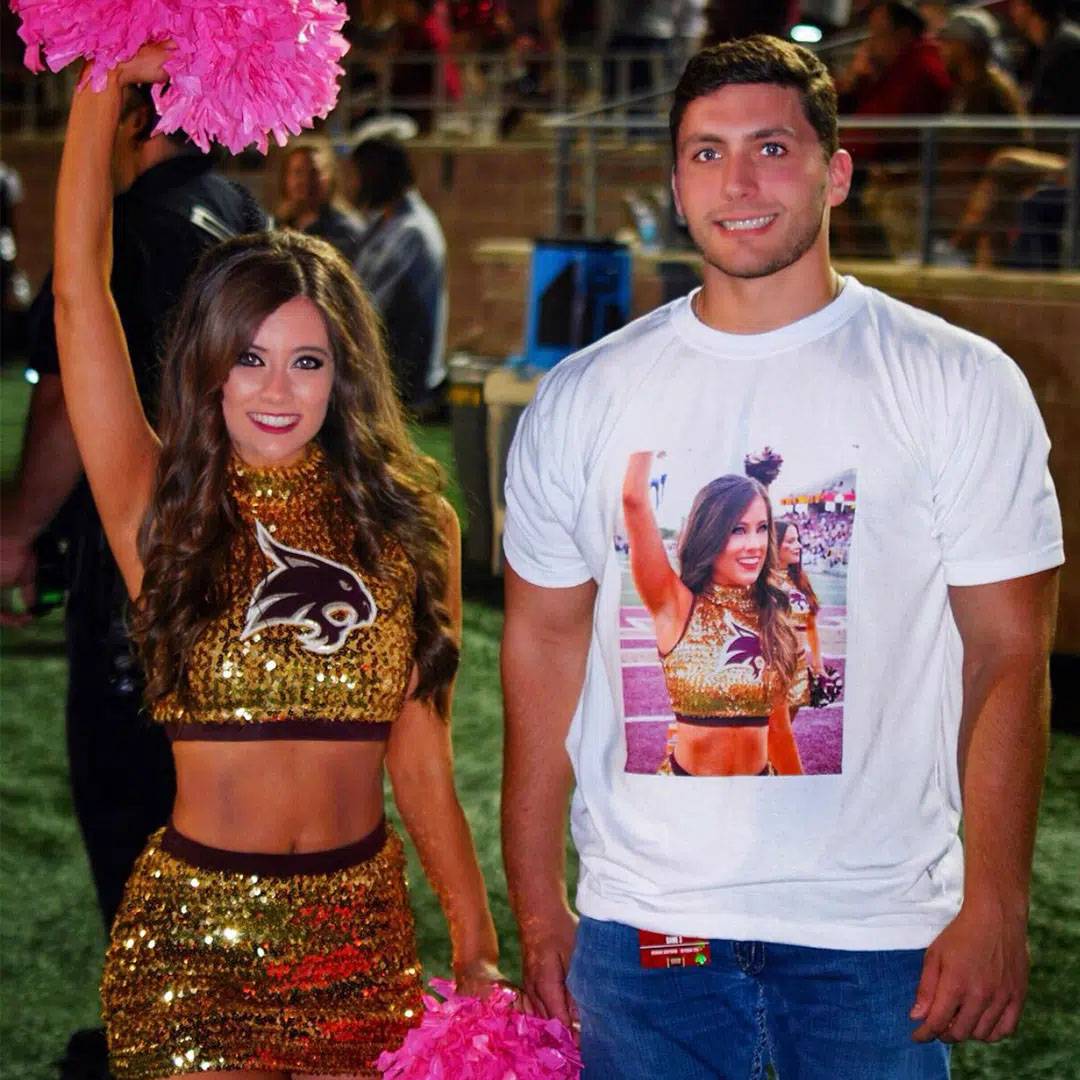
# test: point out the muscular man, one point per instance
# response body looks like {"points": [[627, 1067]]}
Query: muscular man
{"points": [[829, 922]]}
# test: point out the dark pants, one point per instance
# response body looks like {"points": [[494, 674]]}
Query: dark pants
{"points": [[122, 777]]}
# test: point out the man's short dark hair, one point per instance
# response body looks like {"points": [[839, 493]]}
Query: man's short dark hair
{"points": [[760, 59], [384, 171]]}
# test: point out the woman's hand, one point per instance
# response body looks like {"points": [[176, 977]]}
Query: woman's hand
{"points": [[476, 979], [147, 65]]}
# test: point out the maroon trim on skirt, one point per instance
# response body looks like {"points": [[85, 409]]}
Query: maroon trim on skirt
{"points": [[271, 864], [723, 721], [268, 730]]}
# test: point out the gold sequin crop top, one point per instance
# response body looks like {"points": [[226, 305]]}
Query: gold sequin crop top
{"points": [[800, 606], [308, 647], [715, 674]]}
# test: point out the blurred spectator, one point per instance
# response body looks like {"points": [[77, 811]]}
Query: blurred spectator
{"points": [[725, 21], [402, 263], [647, 40], [1055, 80], [423, 26], [980, 86], [308, 199], [1016, 214], [935, 14], [480, 25], [897, 71], [825, 536]]}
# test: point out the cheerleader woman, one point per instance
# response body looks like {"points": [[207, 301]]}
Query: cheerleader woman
{"points": [[295, 585], [804, 606], [726, 645]]}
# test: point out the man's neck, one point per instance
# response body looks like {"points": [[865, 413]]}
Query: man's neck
{"points": [[758, 305]]}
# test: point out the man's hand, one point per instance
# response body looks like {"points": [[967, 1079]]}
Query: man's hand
{"points": [[18, 566], [546, 947], [974, 979]]}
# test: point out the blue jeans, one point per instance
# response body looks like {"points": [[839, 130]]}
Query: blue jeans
{"points": [[814, 1014]]}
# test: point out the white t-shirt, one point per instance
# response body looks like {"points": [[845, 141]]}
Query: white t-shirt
{"points": [[911, 457]]}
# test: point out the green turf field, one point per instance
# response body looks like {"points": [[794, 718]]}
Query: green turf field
{"points": [[52, 944]]}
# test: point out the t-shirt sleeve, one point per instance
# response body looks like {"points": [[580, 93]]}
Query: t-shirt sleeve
{"points": [[994, 500], [543, 492]]}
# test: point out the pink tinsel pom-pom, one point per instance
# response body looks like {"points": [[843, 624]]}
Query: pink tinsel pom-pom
{"points": [[466, 1038], [242, 69], [105, 32]]}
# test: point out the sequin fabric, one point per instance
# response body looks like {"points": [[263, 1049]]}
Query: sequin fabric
{"points": [[799, 691], [305, 633], [210, 971], [718, 668]]}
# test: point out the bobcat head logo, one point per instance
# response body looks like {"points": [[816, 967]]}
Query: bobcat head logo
{"points": [[743, 647], [323, 598]]}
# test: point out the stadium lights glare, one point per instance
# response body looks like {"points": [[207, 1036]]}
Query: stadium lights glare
{"points": [[805, 34], [31, 376]]}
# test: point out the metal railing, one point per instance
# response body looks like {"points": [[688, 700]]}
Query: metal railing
{"points": [[492, 85], [928, 176]]}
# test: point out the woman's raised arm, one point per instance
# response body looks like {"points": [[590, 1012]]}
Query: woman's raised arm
{"points": [[118, 448], [657, 583]]}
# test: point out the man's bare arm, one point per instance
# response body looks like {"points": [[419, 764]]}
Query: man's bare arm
{"points": [[544, 649], [975, 974]]}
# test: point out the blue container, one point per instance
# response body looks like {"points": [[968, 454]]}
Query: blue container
{"points": [[579, 291]]}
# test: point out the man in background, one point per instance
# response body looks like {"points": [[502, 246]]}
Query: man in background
{"points": [[401, 261], [170, 207]]}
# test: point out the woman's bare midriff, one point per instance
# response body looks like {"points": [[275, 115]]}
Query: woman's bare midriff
{"points": [[281, 796], [721, 751]]}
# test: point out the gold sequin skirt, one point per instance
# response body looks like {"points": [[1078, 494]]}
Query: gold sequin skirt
{"points": [[224, 961], [799, 692]]}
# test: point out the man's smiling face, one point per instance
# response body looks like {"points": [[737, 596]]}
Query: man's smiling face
{"points": [[752, 180]]}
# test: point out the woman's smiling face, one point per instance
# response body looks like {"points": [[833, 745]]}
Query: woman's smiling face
{"points": [[277, 393], [743, 557]]}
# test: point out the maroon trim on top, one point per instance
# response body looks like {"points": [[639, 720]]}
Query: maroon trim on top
{"points": [[273, 864], [723, 721], [260, 730]]}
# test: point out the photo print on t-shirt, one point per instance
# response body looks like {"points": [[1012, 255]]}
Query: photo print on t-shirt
{"points": [[733, 613]]}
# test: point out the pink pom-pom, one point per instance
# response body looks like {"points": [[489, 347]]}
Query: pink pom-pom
{"points": [[105, 32], [466, 1038], [242, 71]]}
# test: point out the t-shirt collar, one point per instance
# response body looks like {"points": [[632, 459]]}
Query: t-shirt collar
{"points": [[824, 321]]}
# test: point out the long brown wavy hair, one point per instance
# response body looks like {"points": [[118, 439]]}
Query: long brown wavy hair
{"points": [[390, 489], [795, 572], [716, 511]]}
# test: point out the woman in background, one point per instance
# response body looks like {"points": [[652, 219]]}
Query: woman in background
{"points": [[794, 581], [308, 200]]}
